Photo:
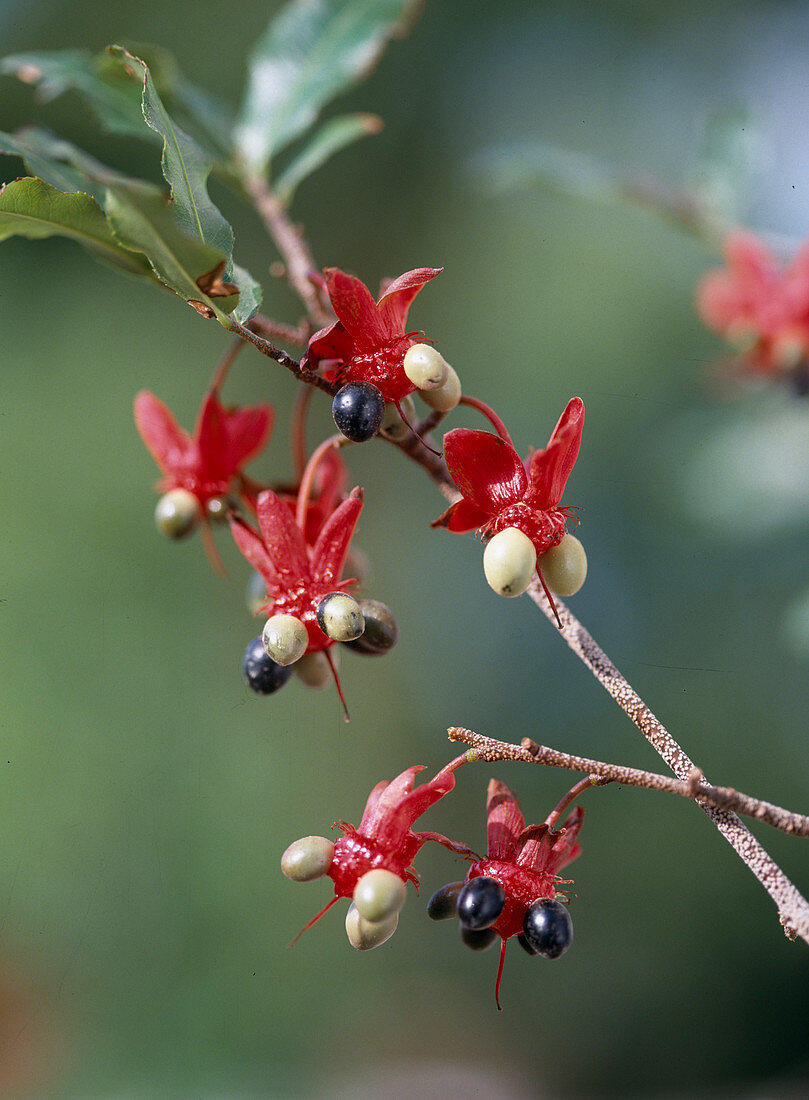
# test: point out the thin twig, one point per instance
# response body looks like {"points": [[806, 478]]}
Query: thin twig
{"points": [[298, 260], [266, 347], [793, 909], [721, 798], [278, 331]]}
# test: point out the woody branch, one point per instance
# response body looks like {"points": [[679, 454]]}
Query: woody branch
{"points": [[720, 798], [793, 907]]}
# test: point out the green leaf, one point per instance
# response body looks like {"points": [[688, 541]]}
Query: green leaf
{"points": [[250, 295], [115, 98], [209, 120], [312, 51], [329, 139], [145, 223], [45, 152], [31, 208], [141, 219], [185, 166], [39, 163]]}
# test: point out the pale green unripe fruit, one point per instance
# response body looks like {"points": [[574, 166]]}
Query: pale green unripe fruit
{"points": [[285, 639], [379, 895], [365, 934], [509, 562], [393, 426], [177, 513], [446, 397], [308, 858], [425, 367], [564, 567], [313, 669], [339, 617]]}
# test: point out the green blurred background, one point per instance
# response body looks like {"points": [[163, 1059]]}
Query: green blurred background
{"points": [[147, 795]]}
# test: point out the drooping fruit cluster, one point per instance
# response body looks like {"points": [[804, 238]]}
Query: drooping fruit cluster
{"points": [[372, 864], [761, 307], [298, 553], [514, 891], [367, 351], [202, 470], [515, 506]]}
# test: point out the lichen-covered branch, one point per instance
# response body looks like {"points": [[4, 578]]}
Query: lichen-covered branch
{"points": [[720, 798], [792, 906]]}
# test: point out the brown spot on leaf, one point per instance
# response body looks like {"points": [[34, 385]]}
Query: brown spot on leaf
{"points": [[211, 283], [201, 308]]}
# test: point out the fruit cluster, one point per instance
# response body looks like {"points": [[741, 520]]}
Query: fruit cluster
{"points": [[298, 550]]}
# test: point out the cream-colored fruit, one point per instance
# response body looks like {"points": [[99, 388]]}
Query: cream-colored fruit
{"points": [[339, 617], [177, 513], [446, 397], [379, 894], [285, 639], [564, 567], [509, 562], [425, 367], [365, 934], [308, 858], [313, 668]]}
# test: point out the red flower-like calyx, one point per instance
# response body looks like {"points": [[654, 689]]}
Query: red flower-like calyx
{"points": [[524, 859], [759, 304], [207, 463], [367, 342], [385, 836], [499, 490], [384, 839], [297, 576]]}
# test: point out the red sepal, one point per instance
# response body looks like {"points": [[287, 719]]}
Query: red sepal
{"points": [[356, 309], [169, 444], [398, 296], [549, 470], [284, 542], [254, 550], [461, 516], [329, 553], [486, 469], [504, 821]]}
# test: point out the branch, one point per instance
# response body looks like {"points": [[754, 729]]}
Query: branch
{"points": [[793, 909], [277, 330], [720, 798], [266, 347], [298, 260]]}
